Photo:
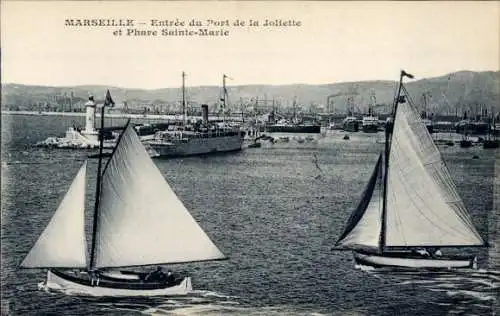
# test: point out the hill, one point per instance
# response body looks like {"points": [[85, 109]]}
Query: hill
{"points": [[458, 91]]}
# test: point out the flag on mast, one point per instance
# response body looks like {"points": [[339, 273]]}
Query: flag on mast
{"points": [[405, 74], [108, 101]]}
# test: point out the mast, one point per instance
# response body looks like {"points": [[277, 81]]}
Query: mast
{"points": [[184, 108], [388, 133], [424, 99], [224, 98], [242, 110], [492, 127], [98, 185], [294, 109], [373, 103]]}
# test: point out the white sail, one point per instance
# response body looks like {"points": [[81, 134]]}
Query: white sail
{"points": [[363, 229], [140, 219], [423, 206], [62, 243]]}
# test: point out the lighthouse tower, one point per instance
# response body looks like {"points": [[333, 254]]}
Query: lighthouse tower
{"points": [[90, 132]]}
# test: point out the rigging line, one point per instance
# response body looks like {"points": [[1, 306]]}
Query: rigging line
{"points": [[116, 146], [394, 98], [380, 202], [412, 120], [98, 189], [410, 100]]}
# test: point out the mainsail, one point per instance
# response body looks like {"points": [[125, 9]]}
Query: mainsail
{"points": [[423, 206], [62, 243], [364, 226], [140, 219]]}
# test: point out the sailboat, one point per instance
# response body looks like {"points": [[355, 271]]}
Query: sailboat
{"points": [[138, 221], [410, 207]]}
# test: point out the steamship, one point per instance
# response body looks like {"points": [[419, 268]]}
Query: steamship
{"points": [[370, 124], [294, 125], [200, 138], [285, 127]]}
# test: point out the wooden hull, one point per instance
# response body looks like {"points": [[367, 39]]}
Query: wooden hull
{"points": [[81, 283], [407, 260]]}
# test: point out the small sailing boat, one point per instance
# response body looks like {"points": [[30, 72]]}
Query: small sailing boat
{"points": [[410, 207], [138, 221]]}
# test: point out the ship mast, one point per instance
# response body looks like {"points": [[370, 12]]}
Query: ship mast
{"points": [[294, 109], [224, 96], [184, 108], [373, 103], [388, 135], [107, 101], [424, 103], [242, 106]]}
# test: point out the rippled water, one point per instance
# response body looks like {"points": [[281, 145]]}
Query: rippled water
{"points": [[274, 211]]}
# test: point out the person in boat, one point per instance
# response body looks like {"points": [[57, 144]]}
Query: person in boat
{"points": [[156, 275], [94, 278], [435, 252], [422, 252], [170, 277]]}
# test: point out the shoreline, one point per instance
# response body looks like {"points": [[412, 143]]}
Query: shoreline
{"points": [[119, 115]]}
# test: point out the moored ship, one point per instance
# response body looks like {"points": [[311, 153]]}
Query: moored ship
{"points": [[428, 124], [295, 124], [197, 139], [309, 128], [491, 141], [370, 124], [350, 124]]}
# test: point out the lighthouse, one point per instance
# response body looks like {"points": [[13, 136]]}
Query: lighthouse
{"points": [[90, 132]]}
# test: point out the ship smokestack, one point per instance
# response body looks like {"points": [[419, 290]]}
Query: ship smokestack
{"points": [[204, 113]]}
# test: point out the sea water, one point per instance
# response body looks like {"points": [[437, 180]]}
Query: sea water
{"points": [[275, 211]]}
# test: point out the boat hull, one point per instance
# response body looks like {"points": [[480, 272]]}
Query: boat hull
{"points": [[370, 128], [79, 284], [310, 129], [406, 260], [351, 127], [198, 146], [465, 143], [491, 144]]}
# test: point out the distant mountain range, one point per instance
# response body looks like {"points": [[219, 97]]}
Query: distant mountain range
{"points": [[455, 92]]}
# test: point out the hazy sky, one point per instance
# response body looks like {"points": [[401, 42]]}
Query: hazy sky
{"points": [[337, 41]]}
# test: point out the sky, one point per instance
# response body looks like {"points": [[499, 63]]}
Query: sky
{"points": [[336, 42]]}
